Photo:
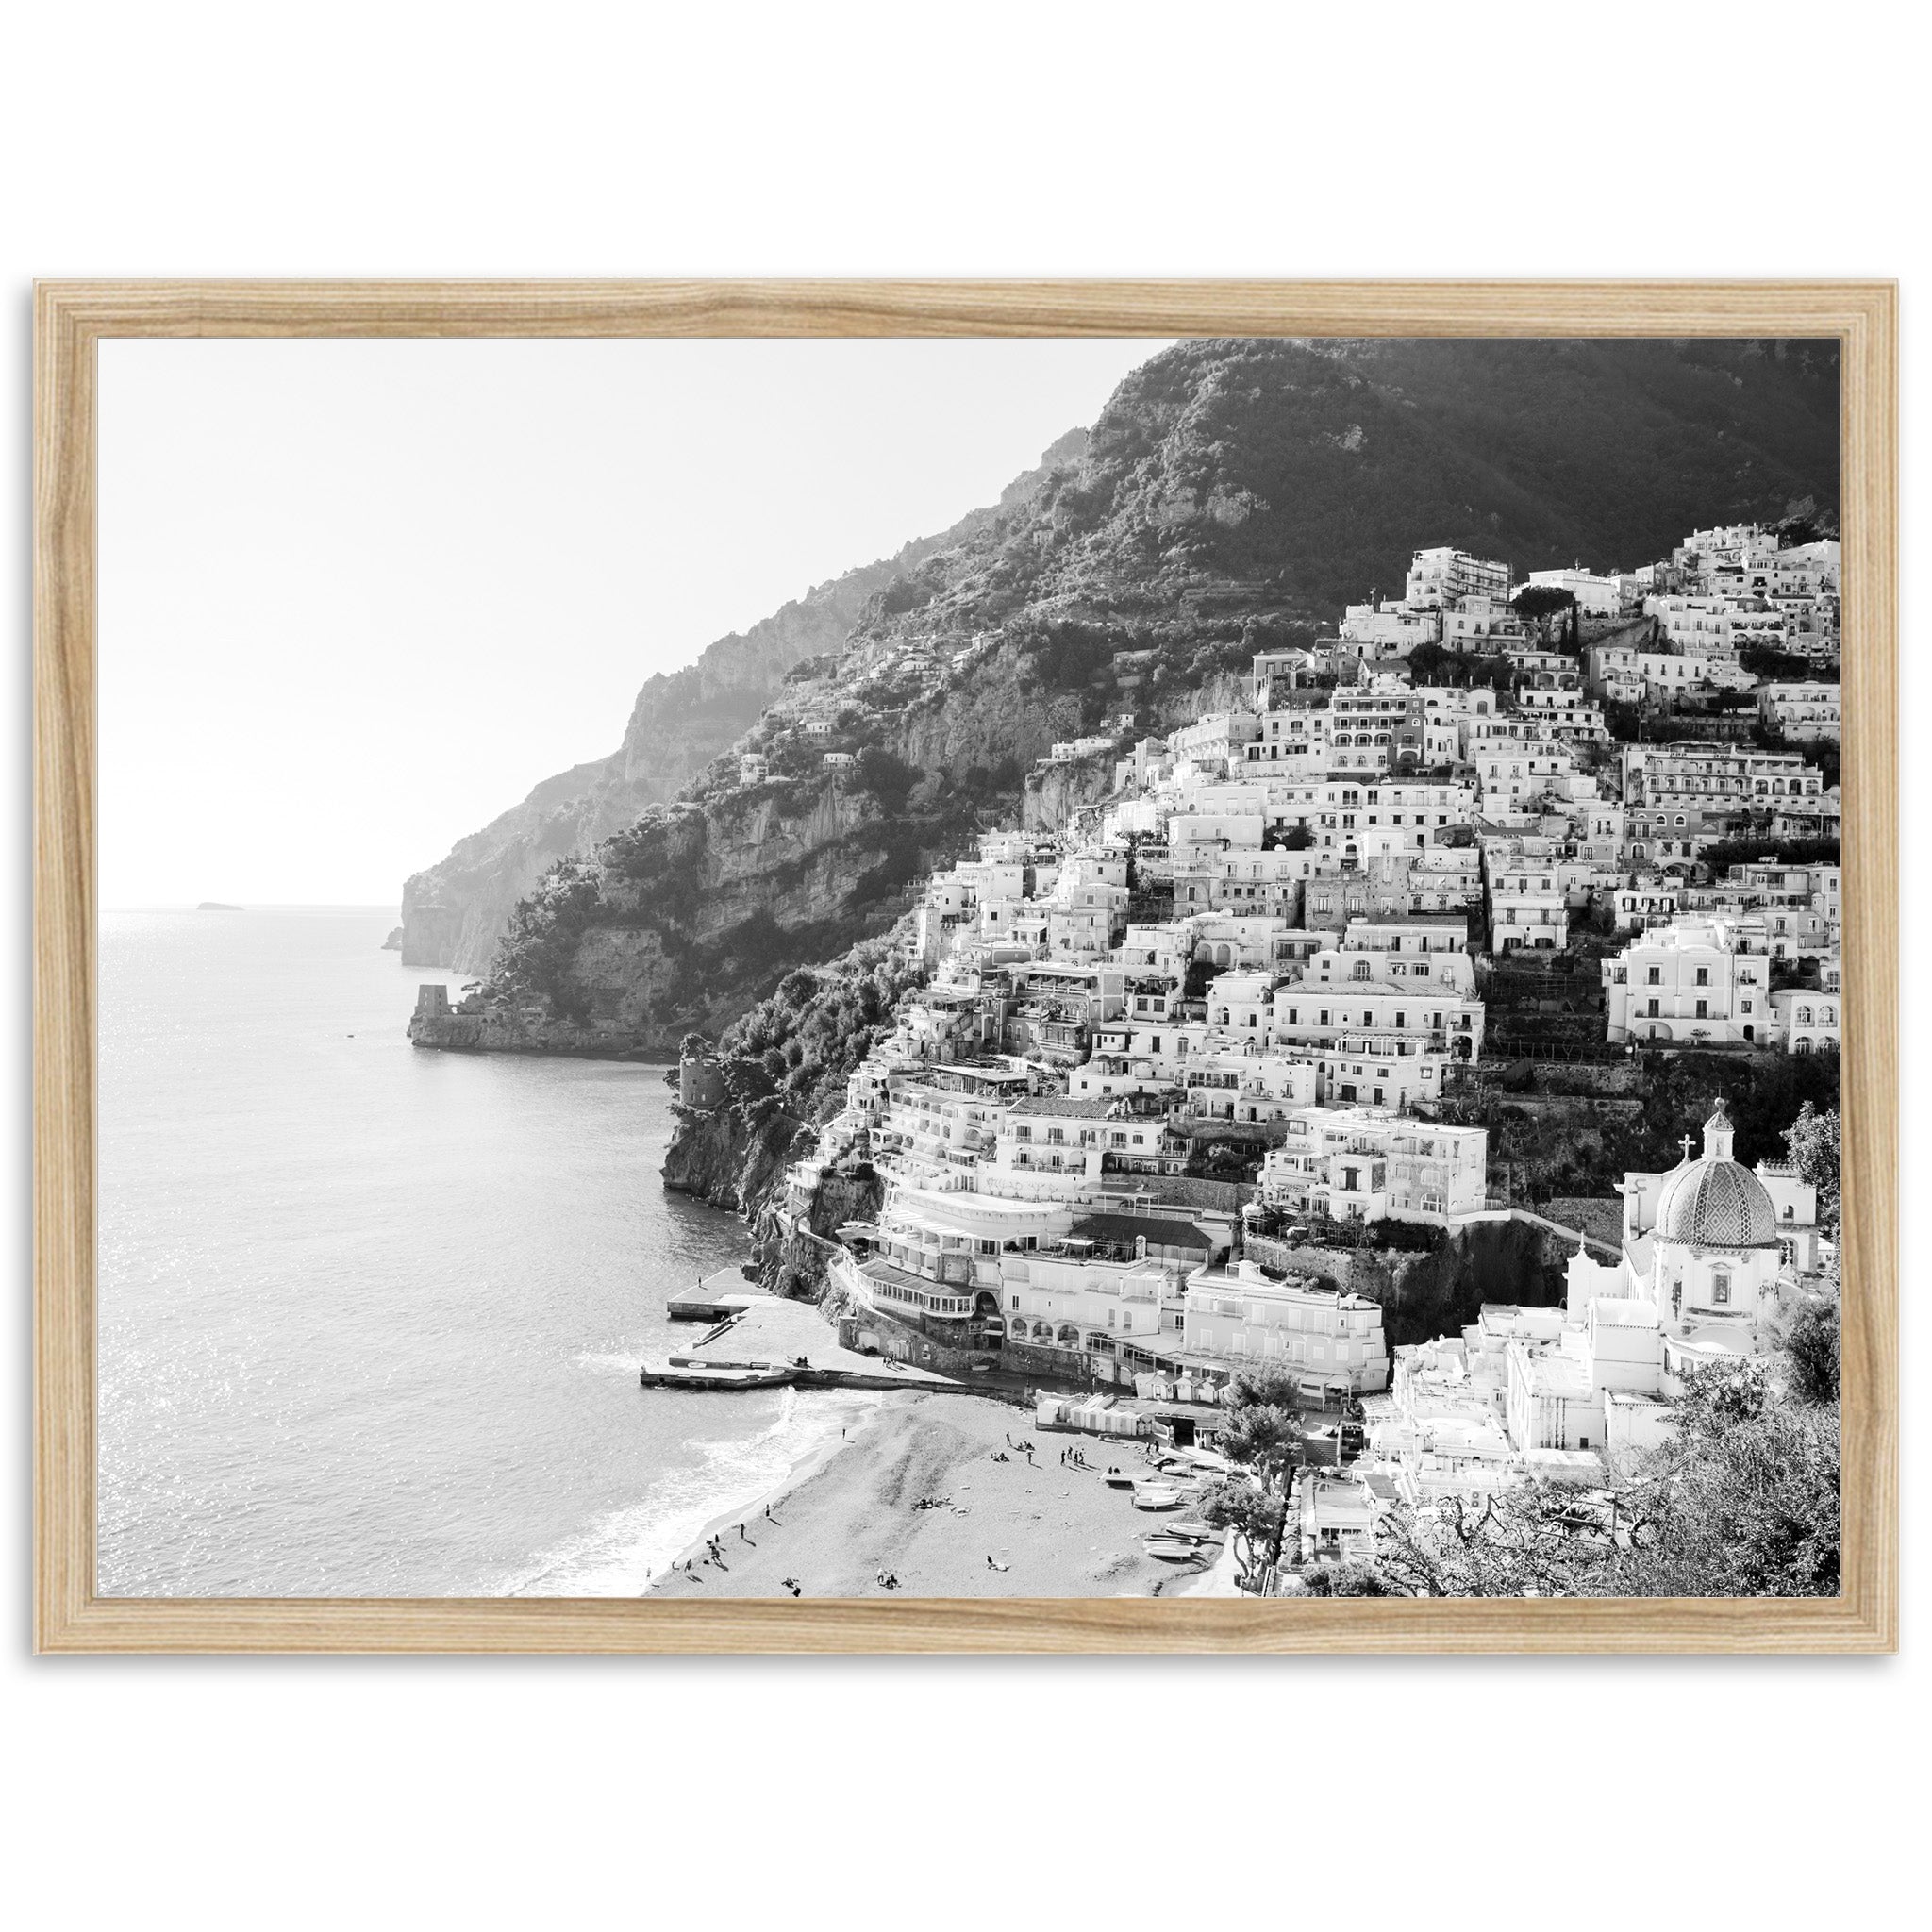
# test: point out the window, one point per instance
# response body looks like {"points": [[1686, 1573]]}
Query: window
{"points": [[1703, 975], [1654, 977]]}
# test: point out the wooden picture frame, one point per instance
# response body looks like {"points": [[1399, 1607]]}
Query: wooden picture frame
{"points": [[72, 317]]}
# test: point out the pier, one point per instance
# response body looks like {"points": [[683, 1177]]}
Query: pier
{"points": [[764, 1329], [724, 1291]]}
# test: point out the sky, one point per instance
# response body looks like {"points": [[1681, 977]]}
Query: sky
{"points": [[357, 598]]}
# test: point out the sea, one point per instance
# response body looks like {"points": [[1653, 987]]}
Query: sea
{"points": [[370, 1317]]}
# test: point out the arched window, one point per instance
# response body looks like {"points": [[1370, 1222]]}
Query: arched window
{"points": [[1804, 1016]]}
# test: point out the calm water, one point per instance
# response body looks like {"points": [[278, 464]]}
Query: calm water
{"points": [[370, 1317]]}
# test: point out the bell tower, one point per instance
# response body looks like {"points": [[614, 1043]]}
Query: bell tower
{"points": [[1717, 1134]]}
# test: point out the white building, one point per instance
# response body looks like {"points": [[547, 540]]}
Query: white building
{"points": [[1367, 1163], [1699, 980], [1332, 1343], [1802, 712], [1444, 576], [1806, 1021], [1711, 1258], [1600, 596]]}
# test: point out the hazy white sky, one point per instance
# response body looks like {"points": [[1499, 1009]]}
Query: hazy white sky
{"points": [[357, 598]]}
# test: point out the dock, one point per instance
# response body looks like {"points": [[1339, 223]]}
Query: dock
{"points": [[724, 1291], [775, 1330]]}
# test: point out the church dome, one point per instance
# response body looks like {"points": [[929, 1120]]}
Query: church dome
{"points": [[1716, 1203]]}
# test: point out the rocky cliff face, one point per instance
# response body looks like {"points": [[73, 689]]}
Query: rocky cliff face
{"points": [[717, 1157], [455, 912]]}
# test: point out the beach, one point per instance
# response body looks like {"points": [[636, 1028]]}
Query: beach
{"points": [[1050, 1530]]}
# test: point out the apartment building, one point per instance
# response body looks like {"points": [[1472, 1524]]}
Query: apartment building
{"points": [[1802, 712], [1445, 575], [1332, 1343], [1700, 978], [1369, 1163]]}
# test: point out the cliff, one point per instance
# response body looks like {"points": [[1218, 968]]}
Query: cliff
{"points": [[456, 911], [720, 1157]]}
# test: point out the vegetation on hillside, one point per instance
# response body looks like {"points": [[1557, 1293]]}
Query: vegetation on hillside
{"points": [[792, 1052]]}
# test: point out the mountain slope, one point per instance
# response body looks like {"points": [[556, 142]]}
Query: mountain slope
{"points": [[1231, 493], [455, 911]]}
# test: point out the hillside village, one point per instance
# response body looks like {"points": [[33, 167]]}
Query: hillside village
{"points": [[1168, 1071]]}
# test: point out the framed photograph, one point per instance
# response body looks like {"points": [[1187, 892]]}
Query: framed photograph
{"points": [[1232, 989]]}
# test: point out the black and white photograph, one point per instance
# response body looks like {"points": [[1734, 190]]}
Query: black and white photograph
{"points": [[958, 966], [1041, 968]]}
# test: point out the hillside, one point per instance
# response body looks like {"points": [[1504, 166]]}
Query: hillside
{"points": [[1231, 493], [455, 912]]}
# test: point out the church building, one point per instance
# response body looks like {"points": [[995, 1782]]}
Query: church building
{"points": [[1711, 1256]]}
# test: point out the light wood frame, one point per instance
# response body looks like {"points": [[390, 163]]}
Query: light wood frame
{"points": [[71, 317]]}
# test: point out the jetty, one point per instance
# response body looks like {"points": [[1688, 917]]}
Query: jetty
{"points": [[724, 1291], [783, 1341]]}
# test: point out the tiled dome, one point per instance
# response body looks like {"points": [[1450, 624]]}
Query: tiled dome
{"points": [[1717, 1204]]}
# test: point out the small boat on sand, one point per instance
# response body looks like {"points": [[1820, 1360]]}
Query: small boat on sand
{"points": [[1172, 1549], [1121, 1479], [1156, 1495], [707, 1372]]}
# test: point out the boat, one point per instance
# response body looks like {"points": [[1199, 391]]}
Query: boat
{"points": [[707, 1372], [1121, 1479], [1200, 1532], [1172, 1549], [1156, 1496]]}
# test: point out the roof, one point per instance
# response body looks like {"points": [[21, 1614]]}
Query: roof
{"points": [[1157, 1230], [1719, 1203], [1061, 1105]]}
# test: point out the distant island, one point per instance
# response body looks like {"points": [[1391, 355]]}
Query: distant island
{"points": [[394, 941], [217, 905]]}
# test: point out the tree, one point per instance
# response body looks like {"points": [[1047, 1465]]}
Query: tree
{"points": [[1250, 1513], [1523, 1541], [1743, 1503], [1811, 1144], [1537, 603], [1261, 1436], [890, 779], [1811, 1351], [1348, 1579]]}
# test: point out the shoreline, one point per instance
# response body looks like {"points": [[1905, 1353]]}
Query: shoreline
{"points": [[802, 1471], [933, 1493]]}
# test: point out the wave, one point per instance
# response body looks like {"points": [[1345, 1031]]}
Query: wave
{"points": [[623, 1550]]}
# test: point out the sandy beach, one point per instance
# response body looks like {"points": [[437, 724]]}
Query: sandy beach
{"points": [[1054, 1530]]}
